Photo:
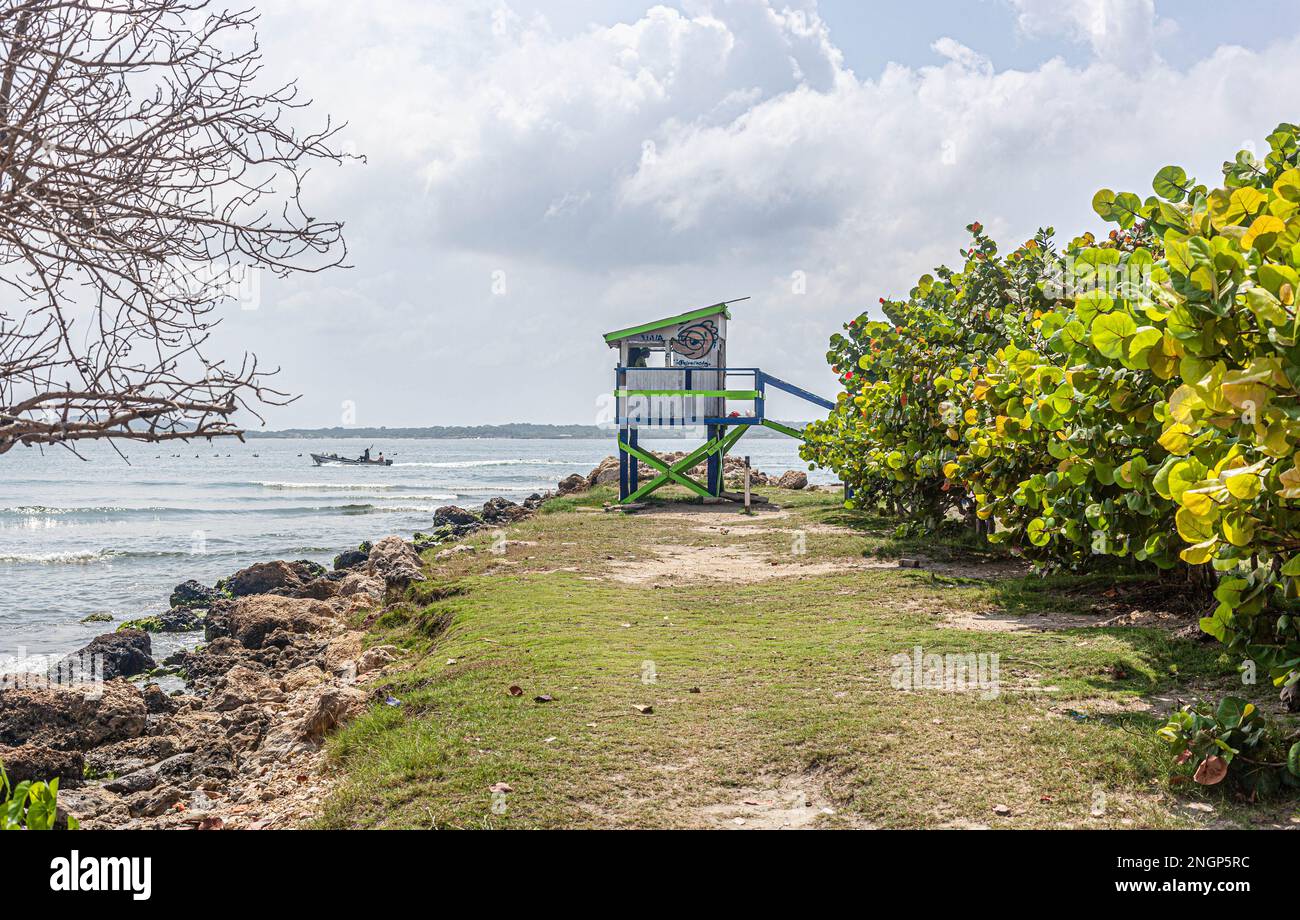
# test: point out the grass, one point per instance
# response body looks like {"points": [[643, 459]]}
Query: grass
{"points": [[778, 689]]}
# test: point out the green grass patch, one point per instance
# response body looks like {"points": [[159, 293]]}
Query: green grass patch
{"points": [[778, 687]]}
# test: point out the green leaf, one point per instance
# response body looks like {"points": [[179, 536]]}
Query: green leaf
{"points": [[1143, 340], [1110, 331], [1104, 204], [1171, 183]]}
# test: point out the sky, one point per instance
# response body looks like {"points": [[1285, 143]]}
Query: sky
{"points": [[539, 173]]}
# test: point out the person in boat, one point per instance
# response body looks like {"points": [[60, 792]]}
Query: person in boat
{"points": [[381, 456], [365, 455]]}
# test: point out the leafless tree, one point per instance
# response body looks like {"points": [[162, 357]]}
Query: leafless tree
{"points": [[144, 172]]}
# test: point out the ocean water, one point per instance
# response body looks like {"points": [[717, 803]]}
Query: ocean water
{"points": [[107, 535]]}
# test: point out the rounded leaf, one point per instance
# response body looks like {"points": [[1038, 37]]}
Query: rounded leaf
{"points": [[1171, 183]]}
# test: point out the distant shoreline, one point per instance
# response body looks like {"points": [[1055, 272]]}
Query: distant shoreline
{"points": [[516, 431]]}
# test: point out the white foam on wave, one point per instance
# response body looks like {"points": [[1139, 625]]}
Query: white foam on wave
{"points": [[83, 557], [50, 511], [473, 464], [331, 486]]}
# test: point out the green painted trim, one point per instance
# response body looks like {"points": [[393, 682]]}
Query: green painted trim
{"points": [[674, 473], [727, 394], [725, 443], [784, 429], [670, 321], [667, 472]]}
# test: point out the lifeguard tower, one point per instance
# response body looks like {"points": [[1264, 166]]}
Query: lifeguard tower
{"points": [[673, 372]]}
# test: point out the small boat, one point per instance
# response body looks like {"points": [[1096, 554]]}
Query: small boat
{"points": [[364, 460]]}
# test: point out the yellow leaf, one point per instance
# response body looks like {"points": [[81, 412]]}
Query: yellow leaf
{"points": [[1243, 482], [1177, 439], [1183, 402], [1191, 528], [1238, 528], [1198, 554], [1263, 233], [1199, 503], [1252, 396]]}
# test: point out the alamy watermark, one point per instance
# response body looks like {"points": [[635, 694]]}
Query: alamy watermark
{"points": [[951, 672], [83, 670]]}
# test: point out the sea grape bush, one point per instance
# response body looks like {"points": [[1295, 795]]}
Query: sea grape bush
{"points": [[898, 420], [1134, 396], [1232, 739]]}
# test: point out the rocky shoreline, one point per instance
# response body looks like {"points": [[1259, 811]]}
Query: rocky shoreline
{"points": [[240, 743]]}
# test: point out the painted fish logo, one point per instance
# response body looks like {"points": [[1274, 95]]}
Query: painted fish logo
{"points": [[694, 342]]}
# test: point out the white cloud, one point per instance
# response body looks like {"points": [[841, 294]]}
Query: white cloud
{"points": [[1120, 32], [693, 154]]}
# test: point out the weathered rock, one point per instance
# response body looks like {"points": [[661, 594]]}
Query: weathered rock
{"points": [[131, 783], [250, 620], [177, 619], [217, 657], [350, 559], [93, 807], [124, 653], [534, 501], [422, 541], [605, 471], [320, 589], [153, 802], [68, 718], [374, 658], [503, 511], [38, 762], [123, 757], [309, 675], [263, 578], [330, 709], [395, 561], [793, 479], [240, 686], [571, 483], [279, 577], [157, 702], [452, 551], [191, 594], [208, 767], [361, 583], [454, 515], [341, 654]]}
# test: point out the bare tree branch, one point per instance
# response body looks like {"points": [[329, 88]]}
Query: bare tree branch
{"points": [[144, 174]]}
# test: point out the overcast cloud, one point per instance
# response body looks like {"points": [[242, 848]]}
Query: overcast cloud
{"points": [[540, 173]]}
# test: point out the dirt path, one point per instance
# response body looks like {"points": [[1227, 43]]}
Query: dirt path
{"points": [[730, 557]]}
